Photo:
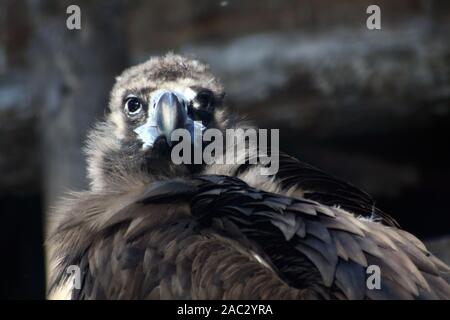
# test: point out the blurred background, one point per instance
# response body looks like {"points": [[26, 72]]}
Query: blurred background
{"points": [[371, 107]]}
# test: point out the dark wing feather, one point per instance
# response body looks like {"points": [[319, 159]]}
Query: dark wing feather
{"points": [[198, 238], [336, 243], [324, 188], [153, 250]]}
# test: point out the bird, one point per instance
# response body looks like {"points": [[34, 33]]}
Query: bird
{"points": [[148, 228]]}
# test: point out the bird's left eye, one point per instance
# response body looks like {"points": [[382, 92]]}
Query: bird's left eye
{"points": [[133, 106]]}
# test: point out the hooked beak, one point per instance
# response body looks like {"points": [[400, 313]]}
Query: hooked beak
{"points": [[170, 114]]}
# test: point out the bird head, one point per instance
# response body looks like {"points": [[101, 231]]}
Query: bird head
{"points": [[147, 103]]}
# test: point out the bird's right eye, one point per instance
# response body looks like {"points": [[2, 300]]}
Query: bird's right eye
{"points": [[133, 106]]}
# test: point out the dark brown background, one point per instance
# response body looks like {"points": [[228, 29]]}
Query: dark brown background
{"points": [[369, 106]]}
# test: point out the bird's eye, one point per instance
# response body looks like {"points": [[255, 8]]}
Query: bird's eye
{"points": [[204, 99], [133, 106]]}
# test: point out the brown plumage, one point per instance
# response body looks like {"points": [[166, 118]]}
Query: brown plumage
{"points": [[149, 229]]}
